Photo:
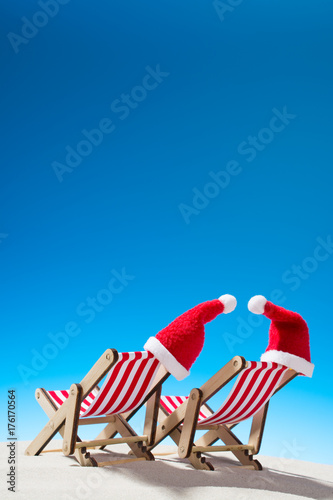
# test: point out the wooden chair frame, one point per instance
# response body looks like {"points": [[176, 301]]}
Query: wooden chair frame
{"points": [[187, 413], [66, 419]]}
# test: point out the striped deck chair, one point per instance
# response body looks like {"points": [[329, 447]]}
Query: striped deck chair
{"points": [[132, 378], [181, 417]]}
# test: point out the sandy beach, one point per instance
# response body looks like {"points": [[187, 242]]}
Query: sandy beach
{"points": [[54, 476]]}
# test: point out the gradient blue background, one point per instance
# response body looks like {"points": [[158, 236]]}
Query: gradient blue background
{"points": [[120, 207]]}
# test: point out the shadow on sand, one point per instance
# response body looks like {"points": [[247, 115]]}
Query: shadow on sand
{"points": [[178, 475]]}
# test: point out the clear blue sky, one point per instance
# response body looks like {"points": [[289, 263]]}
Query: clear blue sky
{"points": [[187, 151]]}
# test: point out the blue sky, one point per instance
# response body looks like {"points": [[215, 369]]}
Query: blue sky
{"points": [[170, 153]]}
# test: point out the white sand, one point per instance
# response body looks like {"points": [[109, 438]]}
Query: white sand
{"points": [[53, 476]]}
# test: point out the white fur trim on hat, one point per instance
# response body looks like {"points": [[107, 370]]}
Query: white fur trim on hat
{"points": [[166, 358], [257, 304], [297, 363], [229, 302]]}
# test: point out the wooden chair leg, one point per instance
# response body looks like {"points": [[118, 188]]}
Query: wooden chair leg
{"points": [[257, 429], [152, 406], [84, 458], [229, 438], [81, 455], [72, 419], [190, 423], [125, 430], [48, 432], [197, 461]]}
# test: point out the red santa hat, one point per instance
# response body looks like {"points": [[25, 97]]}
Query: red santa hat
{"points": [[289, 342], [179, 344]]}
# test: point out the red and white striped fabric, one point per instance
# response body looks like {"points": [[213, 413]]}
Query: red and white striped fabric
{"points": [[124, 388], [252, 389], [171, 403], [59, 397]]}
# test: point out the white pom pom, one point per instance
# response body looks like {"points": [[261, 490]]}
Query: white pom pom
{"points": [[257, 304], [229, 302]]}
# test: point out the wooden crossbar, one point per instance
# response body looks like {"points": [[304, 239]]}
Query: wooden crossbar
{"points": [[97, 420], [119, 462], [213, 427], [232, 447], [105, 442]]}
